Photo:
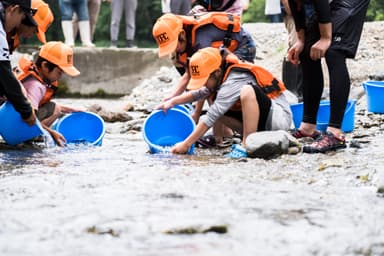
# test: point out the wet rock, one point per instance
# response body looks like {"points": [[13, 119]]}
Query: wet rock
{"points": [[271, 144], [221, 229], [109, 116], [98, 231]]}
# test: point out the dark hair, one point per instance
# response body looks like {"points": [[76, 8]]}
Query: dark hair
{"points": [[50, 65]]}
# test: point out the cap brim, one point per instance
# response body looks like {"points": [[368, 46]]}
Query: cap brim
{"points": [[71, 71], [195, 84], [41, 36], [28, 20], [167, 49]]}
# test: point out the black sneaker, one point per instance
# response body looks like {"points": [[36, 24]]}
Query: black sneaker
{"points": [[327, 142], [299, 134]]}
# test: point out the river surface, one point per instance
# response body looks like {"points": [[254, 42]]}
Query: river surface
{"points": [[117, 199]]}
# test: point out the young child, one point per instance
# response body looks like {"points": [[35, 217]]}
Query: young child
{"points": [[247, 98], [40, 78], [11, 16]]}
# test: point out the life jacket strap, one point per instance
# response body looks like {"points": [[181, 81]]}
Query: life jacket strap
{"points": [[274, 87], [228, 34]]}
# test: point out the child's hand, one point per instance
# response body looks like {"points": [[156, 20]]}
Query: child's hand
{"points": [[165, 105], [180, 148], [59, 138]]}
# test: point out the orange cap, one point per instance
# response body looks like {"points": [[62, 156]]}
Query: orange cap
{"points": [[43, 18], [201, 65], [166, 33], [61, 55]]}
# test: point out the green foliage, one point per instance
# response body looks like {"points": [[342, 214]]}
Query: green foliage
{"points": [[147, 13], [255, 12], [375, 10]]}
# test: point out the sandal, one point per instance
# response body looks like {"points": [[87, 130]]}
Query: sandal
{"points": [[207, 141]]}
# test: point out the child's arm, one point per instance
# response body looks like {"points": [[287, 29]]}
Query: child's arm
{"points": [[67, 109], [58, 137], [181, 86]]}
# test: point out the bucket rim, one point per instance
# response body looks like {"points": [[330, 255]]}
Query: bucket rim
{"points": [[158, 147], [96, 141]]}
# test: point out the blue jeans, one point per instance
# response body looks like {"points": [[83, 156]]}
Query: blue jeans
{"points": [[68, 7]]}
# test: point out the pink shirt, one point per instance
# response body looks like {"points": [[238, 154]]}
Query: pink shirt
{"points": [[35, 91]]}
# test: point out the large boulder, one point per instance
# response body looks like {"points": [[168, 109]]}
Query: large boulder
{"points": [[271, 144]]}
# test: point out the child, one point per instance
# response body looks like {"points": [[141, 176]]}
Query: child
{"points": [[247, 98], [11, 16], [40, 82]]}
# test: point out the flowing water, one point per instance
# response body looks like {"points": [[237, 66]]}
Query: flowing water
{"points": [[117, 199]]}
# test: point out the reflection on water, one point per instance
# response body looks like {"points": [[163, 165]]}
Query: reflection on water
{"points": [[118, 199]]}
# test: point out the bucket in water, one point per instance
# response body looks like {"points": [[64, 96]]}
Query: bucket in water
{"points": [[163, 130], [13, 129], [375, 96], [324, 113], [81, 127]]}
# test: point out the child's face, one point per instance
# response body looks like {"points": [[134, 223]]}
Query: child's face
{"points": [[53, 75], [13, 17]]}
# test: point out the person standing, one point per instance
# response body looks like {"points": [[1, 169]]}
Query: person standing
{"points": [[333, 33], [93, 12], [128, 7], [67, 9], [273, 10]]}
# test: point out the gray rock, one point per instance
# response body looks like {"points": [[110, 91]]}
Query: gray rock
{"points": [[271, 144]]}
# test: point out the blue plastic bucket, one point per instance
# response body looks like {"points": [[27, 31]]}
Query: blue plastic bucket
{"points": [[81, 127], [163, 130], [324, 113], [375, 96], [13, 129]]}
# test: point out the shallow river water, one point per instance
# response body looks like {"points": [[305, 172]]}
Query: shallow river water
{"points": [[118, 199]]}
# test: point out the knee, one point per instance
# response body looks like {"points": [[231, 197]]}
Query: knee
{"points": [[247, 93]]}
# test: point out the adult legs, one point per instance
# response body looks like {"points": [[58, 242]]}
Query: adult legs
{"points": [[93, 10], [66, 10], [116, 13], [313, 85], [339, 89], [130, 21]]}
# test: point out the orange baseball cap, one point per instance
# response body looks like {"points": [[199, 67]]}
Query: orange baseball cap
{"points": [[61, 55], [43, 17], [201, 65], [166, 33]]}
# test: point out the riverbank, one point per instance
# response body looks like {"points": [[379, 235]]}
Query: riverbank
{"points": [[118, 199]]}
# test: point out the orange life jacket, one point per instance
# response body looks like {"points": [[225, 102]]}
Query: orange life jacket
{"points": [[270, 85], [26, 69], [221, 20]]}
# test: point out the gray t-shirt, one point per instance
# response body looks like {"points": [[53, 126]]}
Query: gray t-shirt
{"points": [[280, 116]]}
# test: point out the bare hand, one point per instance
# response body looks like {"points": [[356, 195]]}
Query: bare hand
{"points": [[294, 52], [165, 105], [58, 138], [319, 49], [180, 148]]}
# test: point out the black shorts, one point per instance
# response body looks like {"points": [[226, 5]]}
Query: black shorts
{"points": [[46, 110], [347, 24]]}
